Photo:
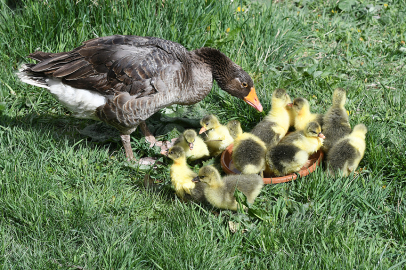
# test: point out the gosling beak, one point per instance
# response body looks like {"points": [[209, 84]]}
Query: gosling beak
{"points": [[321, 135], [290, 105], [196, 179], [191, 146], [165, 152], [203, 129], [253, 100]]}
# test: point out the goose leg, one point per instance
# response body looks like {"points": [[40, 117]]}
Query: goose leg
{"points": [[164, 145], [126, 140], [148, 135], [130, 154]]}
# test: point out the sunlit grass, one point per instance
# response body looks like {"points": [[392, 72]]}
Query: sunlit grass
{"points": [[68, 202]]}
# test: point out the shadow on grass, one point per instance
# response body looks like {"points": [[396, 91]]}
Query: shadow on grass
{"points": [[98, 133], [63, 128]]}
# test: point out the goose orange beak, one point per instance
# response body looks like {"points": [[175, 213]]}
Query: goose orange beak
{"points": [[203, 129], [253, 100], [321, 135]]}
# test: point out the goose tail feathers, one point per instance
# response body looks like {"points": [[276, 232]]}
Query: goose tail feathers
{"points": [[26, 75]]}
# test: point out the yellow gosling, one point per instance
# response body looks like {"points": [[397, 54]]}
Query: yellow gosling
{"points": [[293, 151], [347, 153], [218, 137], [220, 192], [302, 114], [335, 122], [181, 174], [248, 150], [276, 124], [194, 146]]}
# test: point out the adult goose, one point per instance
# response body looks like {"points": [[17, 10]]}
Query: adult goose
{"points": [[123, 80]]}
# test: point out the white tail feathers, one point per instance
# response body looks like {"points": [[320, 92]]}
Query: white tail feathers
{"points": [[28, 77]]}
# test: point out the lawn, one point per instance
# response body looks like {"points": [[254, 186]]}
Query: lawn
{"points": [[72, 201]]}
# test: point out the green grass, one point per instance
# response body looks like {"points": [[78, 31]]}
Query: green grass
{"points": [[67, 202]]}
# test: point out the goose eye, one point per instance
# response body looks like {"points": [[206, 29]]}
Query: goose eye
{"points": [[207, 124], [201, 177], [171, 152], [244, 84]]}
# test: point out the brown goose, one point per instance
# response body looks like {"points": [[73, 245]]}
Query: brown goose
{"points": [[123, 80]]}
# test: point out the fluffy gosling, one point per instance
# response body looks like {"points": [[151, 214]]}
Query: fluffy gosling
{"points": [[194, 146], [294, 150], [248, 150], [276, 124], [220, 192], [346, 154], [218, 137], [335, 122], [182, 176]]}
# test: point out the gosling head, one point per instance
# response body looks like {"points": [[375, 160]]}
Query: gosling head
{"points": [[234, 127], [360, 130], [313, 129], [208, 122], [300, 105], [208, 175], [176, 152], [280, 98], [339, 97], [190, 137]]}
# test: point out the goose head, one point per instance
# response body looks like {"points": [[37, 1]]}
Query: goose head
{"points": [[239, 84], [360, 130], [230, 76], [300, 105]]}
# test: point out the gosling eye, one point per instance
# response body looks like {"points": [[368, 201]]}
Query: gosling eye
{"points": [[244, 84], [171, 152], [207, 124], [201, 177]]}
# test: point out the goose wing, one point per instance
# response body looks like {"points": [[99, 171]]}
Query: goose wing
{"points": [[115, 64]]}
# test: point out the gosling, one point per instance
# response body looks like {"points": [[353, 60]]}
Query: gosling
{"points": [[220, 192], [194, 146], [218, 137], [335, 122], [182, 176], [347, 153], [294, 150], [248, 150], [302, 114], [276, 124]]}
